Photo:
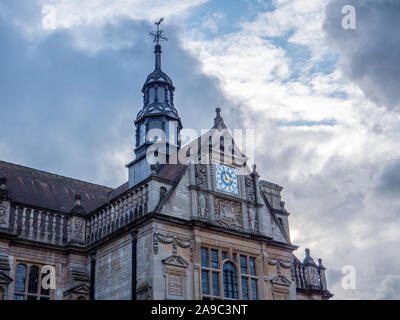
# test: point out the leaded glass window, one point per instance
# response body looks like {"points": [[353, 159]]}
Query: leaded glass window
{"points": [[243, 264], [252, 266], [245, 289], [228, 275], [214, 259], [33, 280], [20, 278], [254, 292], [28, 279], [204, 257], [230, 281], [204, 282], [215, 283]]}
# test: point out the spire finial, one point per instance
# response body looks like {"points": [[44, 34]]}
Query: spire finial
{"points": [[157, 37], [158, 34]]}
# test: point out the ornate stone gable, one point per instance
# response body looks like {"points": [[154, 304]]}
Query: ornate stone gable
{"points": [[228, 213]]}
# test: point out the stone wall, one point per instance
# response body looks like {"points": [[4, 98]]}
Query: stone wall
{"points": [[38, 257], [114, 270]]}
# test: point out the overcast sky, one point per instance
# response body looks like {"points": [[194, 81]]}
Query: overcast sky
{"points": [[324, 103]]}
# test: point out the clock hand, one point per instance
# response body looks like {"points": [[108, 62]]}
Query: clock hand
{"points": [[227, 178]]}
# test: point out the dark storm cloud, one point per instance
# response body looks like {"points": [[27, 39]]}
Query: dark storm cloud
{"points": [[390, 179], [69, 111], [370, 53], [389, 288]]}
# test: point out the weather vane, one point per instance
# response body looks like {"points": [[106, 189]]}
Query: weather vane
{"points": [[158, 35]]}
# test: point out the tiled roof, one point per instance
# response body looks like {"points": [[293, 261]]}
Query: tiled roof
{"points": [[171, 172], [50, 191], [54, 192]]}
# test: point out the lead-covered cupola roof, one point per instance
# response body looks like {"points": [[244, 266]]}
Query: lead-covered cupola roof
{"points": [[157, 76], [158, 89]]}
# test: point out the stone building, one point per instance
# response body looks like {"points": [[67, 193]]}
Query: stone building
{"points": [[209, 229]]}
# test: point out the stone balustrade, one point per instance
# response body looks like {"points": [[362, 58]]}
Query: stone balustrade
{"points": [[38, 225], [62, 228], [116, 214]]}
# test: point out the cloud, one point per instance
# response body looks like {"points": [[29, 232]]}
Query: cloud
{"points": [[316, 135], [70, 110], [369, 54], [68, 98], [390, 179], [29, 15], [389, 288]]}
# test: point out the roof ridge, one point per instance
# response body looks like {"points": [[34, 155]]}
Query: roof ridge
{"points": [[56, 175]]}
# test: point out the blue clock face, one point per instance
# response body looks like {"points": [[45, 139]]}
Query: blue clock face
{"points": [[226, 178]]}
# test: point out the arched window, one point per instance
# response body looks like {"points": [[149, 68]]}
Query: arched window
{"points": [[230, 281], [30, 289], [20, 280], [33, 280], [2, 293], [221, 144]]}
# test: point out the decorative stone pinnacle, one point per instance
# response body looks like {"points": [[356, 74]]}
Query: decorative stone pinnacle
{"points": [[78, 209], [3, 187], [218, 117], [77, 200], [3, 183], [307, 252]]}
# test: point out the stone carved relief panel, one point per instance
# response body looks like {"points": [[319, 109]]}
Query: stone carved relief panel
{"points": [[250, 191], [4, 213], [228, 213], [174, 285], [202, 205], [175, 240], [77, 229], [201, 175], [175, 277], [252, 218]]}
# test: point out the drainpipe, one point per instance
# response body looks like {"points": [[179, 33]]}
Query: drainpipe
{"points": [[134, 263], [92, 274]]}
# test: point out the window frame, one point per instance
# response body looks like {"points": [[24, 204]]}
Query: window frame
{"points": [[26, 294], [234, 258]]}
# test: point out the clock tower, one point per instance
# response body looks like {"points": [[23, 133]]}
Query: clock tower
{"points": [[158, 121]]}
